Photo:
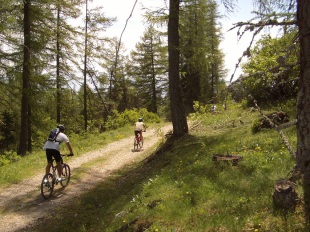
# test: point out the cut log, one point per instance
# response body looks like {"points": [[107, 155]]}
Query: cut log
{"points": [[234, 158]]}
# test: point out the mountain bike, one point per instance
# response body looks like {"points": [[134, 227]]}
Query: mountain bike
{"points": [[138, 142], [50, 180]]}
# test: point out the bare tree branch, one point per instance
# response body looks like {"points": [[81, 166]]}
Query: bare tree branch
{"points": [[271, 22], [120, 39]]}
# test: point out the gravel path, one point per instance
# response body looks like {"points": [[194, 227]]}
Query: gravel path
{"points": [[21, 205]]}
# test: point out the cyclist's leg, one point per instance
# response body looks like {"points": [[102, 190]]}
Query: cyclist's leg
{"points": [[136, 133], [58, 160], [59, 168], [48, 168], [135, 143], [49, 158], [141, 139], [140, 135]]}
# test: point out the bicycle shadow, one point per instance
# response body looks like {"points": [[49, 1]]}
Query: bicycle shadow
{"points": [[137, 150], [58, 192], [23, 204]]}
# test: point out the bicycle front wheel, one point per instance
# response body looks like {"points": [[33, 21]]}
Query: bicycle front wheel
{"points": [[135, 144], [141, 142], [66, 174], [47, 186]]}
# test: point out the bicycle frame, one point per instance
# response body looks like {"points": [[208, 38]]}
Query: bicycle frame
{"points": [[138, 141]]}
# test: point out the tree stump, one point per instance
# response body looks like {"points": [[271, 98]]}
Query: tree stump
{"points": [[284, 196]]}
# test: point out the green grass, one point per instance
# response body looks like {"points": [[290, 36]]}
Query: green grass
{"points": [[180, 187]]}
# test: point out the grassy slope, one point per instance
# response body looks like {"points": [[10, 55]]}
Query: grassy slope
{"points": [[180, 188]]}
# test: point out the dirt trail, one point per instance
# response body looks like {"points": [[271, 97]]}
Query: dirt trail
{"points": [[21, 205]]}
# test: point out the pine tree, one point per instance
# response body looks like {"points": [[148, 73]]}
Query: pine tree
{"points": [[65, 36], [149, 69], [95, 22], [202, 60]]}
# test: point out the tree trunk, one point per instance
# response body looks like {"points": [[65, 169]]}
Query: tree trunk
{"points": [[25, 86], [303, 103], [85, 69], [29, 132], [58, 86], [154, 92], [179, 122]]}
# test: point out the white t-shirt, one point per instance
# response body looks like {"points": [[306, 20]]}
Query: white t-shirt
{"points": [[61, 137], [139, 126]]}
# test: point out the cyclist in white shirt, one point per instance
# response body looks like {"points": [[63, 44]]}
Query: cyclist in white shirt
{"points": [[52, 149], [139, 127]]}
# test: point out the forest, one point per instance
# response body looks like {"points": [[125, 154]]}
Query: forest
{"points": [[54, 71]]}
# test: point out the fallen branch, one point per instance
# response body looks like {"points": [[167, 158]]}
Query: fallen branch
{"points": [[192, 127], [286, 125], [282, 135]]}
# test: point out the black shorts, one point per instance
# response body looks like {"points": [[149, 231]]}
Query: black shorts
{"points": [[50, 153]]}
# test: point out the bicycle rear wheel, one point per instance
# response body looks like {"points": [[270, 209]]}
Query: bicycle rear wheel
{"points": [[66, 174], [47, 186]]}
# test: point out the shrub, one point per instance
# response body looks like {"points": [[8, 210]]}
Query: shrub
{"points": [[7, 131], [8, 157], [129, 117]]}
